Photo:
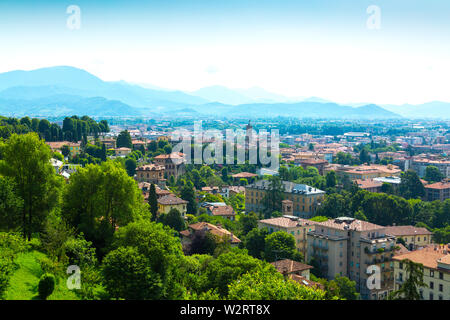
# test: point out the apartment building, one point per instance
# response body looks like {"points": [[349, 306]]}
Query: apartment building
{"points": [[347, 247], [414, 237], [419, 165], [151, 173], [305, 199], [173, 163], [437, 191], [295, 226], [436, 271], [364, 172]]}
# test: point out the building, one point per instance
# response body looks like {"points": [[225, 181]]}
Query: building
{"points": [[436, 271], [437, 191], [219, 209], [364, 172], [244, 175], [347, 247], [201, 228], [122, 152], [316, 163], [295, 226], [414, 237], [145, 188], [305, 199], [173, 163], [151, 173], [169, 202], [369, 185], [419, 165], [289, 267]]}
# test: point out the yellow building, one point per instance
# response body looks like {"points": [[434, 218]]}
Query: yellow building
{"points": [[364, 172], [305, 199], [414, 237], [295, 226], [436, 271], [169, 202]]}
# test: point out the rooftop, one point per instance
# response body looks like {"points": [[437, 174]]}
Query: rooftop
{"points": [[289, 187], [290, 266], [171, 200], [406, 231], [428, 256]]}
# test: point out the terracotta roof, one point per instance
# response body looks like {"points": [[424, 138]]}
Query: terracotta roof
{"points": [[290, 266], [173, 155], [406, 231], [284, 222], [368, 183], [216, 230], [303, 281], [244, 175], [438, 185], [354, 224], [222, 210], [313, 161], [150, 167], [427, 256], [171, 200], [402, 249]]}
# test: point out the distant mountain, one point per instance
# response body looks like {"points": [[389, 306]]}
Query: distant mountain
{"points": [[73, 81], [63, 105], [59, 91], [298, 109], [434, 109]]}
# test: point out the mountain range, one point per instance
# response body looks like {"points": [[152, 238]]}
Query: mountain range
{"points": [[64, 90]]}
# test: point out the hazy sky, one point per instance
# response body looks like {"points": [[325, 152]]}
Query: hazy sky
{"points": [[317, 48]]}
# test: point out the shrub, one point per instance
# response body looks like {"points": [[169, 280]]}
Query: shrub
{"points": [[46, 285], [34, 244], [51, 266]]}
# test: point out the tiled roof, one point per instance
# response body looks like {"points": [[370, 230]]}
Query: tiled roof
{"points": [[290, 266], [438, 185], [368, 183], [406, 231], [171, 200], [303, 281], [150, 167], [216, 230], [427, 256], [289, 187], [353, 224], [284, 222], [222, 210], [244, 175]]}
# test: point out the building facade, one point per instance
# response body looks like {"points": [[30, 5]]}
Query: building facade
{"points": [[435, 260], [348, 247], [305, 199]]}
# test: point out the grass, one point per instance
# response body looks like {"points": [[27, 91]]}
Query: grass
{"points": [[24, 281]]}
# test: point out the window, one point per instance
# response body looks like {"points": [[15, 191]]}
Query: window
{"points": [[431, 296], [441, 276], [432, 273], [431, 285], [401, 266], [441, 288]]}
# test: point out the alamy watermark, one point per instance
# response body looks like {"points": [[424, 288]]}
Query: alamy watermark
{"points": [[74, 19]]}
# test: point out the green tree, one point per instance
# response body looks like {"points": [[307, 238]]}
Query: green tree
{"points": [[127, 275], [255, 242], [162, 250], [280, 245], [331, 179], [268, 284], [410, 186], [99, 198], [432, 174], [26, 160], [273, 196], [347, 288], [173, 219], [364, 156], [124, 140], [130, 166], [188, 194], [65, 151], [248, 222], [153, 202], [11, 205], [409, 289], [46, 285]]}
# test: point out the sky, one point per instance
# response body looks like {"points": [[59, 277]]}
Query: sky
{"points": [[322, 48]]}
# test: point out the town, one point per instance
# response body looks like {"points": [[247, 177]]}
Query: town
{"points": [[347, 214]]}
